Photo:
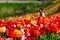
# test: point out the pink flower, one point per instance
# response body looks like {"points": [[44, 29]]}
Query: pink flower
{"points": [[9, 39]]}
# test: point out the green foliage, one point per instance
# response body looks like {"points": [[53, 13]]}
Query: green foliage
{"points": [[12, 7], [54, 12], [3, 35], [49, 36], [15, 38]]}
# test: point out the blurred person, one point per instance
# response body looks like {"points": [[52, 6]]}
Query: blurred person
{"points": [[41, 12]]}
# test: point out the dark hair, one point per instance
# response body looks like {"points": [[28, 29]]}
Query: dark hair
{"points": [[40, 9]]}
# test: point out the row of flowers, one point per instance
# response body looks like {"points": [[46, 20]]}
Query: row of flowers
{"points": [[29, 28]]}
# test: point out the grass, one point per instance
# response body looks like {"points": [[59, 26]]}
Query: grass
{"points": [[57, 10], [9, 9], [49, 36]]}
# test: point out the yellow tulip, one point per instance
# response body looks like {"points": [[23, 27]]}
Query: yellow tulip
{"points": [[27, 18], [2, 29], [17, 32], [31, 22]]}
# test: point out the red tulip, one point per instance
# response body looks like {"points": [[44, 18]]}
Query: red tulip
{"points": [[38, 28], [36, 33], [25, 21], [31, 29], [28, 38], [1, 38], [27, 30], [7, 32], [48, 29], [11, 34], [0, 21], [43, 32], [33, 38]]}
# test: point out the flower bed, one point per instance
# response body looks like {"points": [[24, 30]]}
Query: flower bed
{"points": [[29, 28]]}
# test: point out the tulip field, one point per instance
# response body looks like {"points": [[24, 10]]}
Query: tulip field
{"points": [[31, 27], [25, 21]]}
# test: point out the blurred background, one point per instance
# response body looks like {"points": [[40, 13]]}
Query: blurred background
{"points": [[23, 0], [12, 9]]}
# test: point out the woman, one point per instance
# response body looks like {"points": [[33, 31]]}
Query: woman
{"points": [[42, 12]]}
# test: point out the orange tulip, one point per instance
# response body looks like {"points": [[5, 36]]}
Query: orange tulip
{"points": [[17, 33], [19, 25], [36, 33]]}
